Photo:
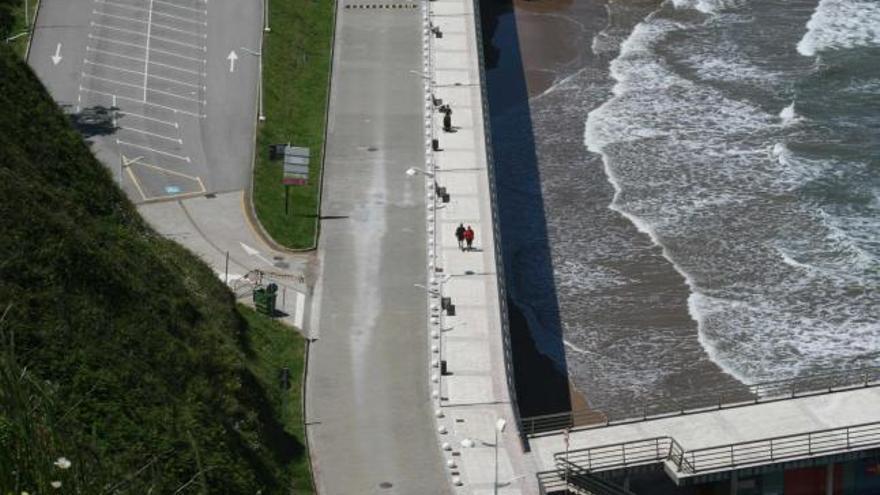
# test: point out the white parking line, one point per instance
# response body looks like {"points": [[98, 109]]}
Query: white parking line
{"points": [[136, 100], [198, 11], [152, 134], [154, 50], [139, 73], [147, 51], [155, 24], [138, 59], [159, 38], [153, 150], [139, 9], [146, 89], [126, 113]]}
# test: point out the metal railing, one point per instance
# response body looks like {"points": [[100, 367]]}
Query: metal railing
{"points": [[691, 462], [721, 398]]}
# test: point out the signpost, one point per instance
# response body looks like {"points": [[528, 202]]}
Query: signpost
{"points": [[296, 170]]}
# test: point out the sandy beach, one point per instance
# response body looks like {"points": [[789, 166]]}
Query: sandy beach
{"points": [[619, 310]]}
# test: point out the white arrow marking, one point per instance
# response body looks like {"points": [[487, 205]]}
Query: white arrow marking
{"points": [[253, 252], [232, 57], [56, 59]]}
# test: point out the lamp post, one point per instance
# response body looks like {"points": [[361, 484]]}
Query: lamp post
{"points": [[259, 55], [266, 16], [499, 428], [412, 171]]}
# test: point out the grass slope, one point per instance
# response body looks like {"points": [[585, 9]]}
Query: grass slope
{"points": [[126, 348], [296, 64]]}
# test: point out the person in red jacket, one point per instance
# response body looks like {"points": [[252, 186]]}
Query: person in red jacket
{"points": [[469, 237]]}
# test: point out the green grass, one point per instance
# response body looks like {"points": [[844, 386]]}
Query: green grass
{"points": [[12, 22], [296, 65], [140, 367], [277, 346]]}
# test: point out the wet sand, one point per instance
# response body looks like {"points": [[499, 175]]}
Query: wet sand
{"points": [[629, 341]]}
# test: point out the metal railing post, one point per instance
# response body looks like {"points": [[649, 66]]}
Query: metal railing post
{"points": [[732, 460], [771, 449], [847, 438]]}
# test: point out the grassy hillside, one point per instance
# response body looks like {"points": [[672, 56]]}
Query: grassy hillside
{"points": [[120, 350]]}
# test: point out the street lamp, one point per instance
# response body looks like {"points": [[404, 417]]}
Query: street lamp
{"points": [[499, 428], [412, 171], [259, 55]]}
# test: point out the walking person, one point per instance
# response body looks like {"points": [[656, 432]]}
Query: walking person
{"points": [[459, 234], [469, 238]]}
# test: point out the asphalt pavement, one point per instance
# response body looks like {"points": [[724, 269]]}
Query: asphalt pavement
{"points": [[151, 85], [369, 416]]}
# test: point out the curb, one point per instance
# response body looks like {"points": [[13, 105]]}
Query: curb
{"points": [[27, 50]]}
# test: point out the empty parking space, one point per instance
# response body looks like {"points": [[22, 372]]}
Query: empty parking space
{"points": [[146, 62]]}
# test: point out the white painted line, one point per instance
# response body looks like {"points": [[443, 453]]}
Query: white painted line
{"points": [[300, 310], [126, 113], [154, 50], [139, 73], [164, 107], [147, 51], [138, 59], [146, 90], [111, 81], [156, 25], [140, 33], [139, 9], [153, 150], [153, 134], [173, 95], [198, 11]]}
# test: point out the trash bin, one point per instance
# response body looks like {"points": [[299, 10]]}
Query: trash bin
{"points": [[264, 299]]}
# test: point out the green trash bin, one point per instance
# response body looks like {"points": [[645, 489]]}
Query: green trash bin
{"points": [[264, 299]]}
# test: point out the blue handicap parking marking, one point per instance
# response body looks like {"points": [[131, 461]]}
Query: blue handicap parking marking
{"points": [[172, 189]]}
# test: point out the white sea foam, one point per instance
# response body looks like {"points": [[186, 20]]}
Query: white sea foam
{"points": [[789, 115], [841, 24], [690, 165], [707, 6]]}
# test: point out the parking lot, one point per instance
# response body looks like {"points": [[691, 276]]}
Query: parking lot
{"points": [[145, 60]]}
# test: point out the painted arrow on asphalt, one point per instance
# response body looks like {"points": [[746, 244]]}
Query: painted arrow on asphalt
{"points": [[253, 252], [232, 57], [56, 59]]}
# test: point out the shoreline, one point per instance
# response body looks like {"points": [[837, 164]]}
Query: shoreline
{"points": [[566, 48]]}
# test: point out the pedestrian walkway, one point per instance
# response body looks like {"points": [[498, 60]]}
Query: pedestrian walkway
{"points": [[470, 373]]}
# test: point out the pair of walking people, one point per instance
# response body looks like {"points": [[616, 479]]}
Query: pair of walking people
{"points": [[465, 236]]}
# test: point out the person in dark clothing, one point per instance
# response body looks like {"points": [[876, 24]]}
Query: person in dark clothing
{"points": [[469, 237], [459, 234], [447, 122]]}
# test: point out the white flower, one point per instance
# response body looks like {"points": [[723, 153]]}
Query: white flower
{"points": [[56, 484], [62, 463]]}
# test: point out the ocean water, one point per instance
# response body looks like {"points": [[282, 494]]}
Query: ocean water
{"points": [[741, 138]]}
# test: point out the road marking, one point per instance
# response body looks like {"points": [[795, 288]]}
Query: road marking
{"points": [[164, 107], [157, 38], [232, 57], [148, 90], [138, 59], [134, 179], [56, 59], [126, 113], [153, 150], [198, 11], [254, 253], [155, 24], [147, 50], [154, 50], [139, 73], [139, 9], [300, 310], [153, 134]]}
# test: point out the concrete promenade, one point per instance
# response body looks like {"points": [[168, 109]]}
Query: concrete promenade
{"points": [[368, 405], [474, 394], [729, 426]]}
